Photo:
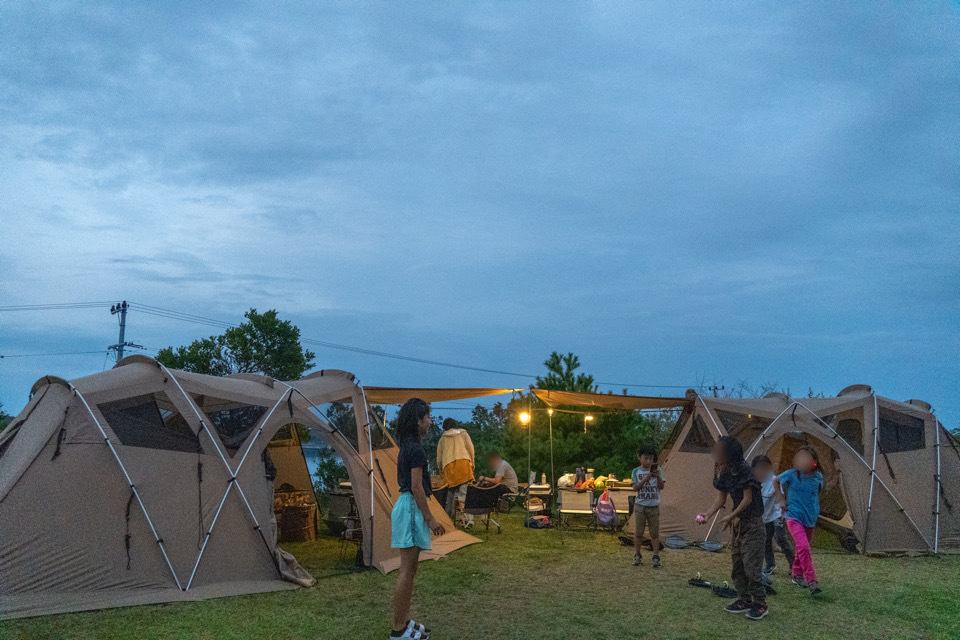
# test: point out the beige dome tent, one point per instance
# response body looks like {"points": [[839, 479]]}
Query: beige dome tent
{"points": [[900, 488], [144, 485]]}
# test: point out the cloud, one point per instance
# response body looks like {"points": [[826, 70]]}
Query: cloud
{"points": [[668, 189]]}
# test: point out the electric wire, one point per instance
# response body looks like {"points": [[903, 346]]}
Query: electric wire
{"points": [[171, 314]]}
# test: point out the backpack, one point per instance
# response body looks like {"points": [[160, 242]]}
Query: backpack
{"points": [[606, 512]]}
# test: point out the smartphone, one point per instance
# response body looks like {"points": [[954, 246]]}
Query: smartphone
{"points": [[654, 468]]}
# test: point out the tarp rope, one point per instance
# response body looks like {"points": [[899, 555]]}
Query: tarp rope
{"points": [[126, 538]]}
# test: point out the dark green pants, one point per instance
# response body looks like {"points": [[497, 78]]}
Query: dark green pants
{"points": [[747, 546]]}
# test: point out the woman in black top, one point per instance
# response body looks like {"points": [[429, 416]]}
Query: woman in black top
{"points": [[411, 520], [733, 477]]}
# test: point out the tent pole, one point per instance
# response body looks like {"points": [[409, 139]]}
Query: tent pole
{"points": [[366, 414], [873, 471], [769, 426], [710, 415], [882, 483], [216, 441], [233, 473], [133, 488], [206, 538], [936, 488]]}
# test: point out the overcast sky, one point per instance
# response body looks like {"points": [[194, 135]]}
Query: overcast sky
{"points": [[678, 193]]}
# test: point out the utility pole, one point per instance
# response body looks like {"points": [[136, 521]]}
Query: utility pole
{"points": [[715, 388], [121, 308]]}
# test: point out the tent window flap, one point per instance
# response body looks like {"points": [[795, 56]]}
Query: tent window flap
{"points": [[150, 421], [899, 432], [698, 440]]}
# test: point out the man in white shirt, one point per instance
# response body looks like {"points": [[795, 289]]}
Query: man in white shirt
{"points": [[503, 473]]}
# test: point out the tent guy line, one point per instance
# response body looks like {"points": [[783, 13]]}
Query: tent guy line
{"points": [[202, 320]]}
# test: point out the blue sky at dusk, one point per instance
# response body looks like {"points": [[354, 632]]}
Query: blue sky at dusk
{"points": [[678, 193]]}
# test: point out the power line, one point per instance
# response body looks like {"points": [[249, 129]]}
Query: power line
{"points": [[62, 353], [171, 314], [55, 306]]}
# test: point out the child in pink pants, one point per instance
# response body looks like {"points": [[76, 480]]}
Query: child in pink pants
{"points": [[798, 490]]}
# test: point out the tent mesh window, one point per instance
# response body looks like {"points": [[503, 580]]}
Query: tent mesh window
{"points": [[150, 421], [340, 416], [899, 432], [851, 430], [378, 435], [744, 427], [698, 440], [233, 420]]}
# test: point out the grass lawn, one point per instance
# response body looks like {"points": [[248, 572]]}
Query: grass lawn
{"points": [[527, 584]]}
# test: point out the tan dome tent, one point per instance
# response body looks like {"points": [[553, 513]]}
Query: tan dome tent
{"points": [[901, 469], [144, 485]]}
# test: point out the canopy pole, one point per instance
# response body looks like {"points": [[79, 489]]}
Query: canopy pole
{"points": [[133, 488], [371, 479], [707, 409], [873, 470]]}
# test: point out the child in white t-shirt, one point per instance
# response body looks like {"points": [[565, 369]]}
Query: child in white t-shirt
{"points": [[772, 516], [647, 482]]}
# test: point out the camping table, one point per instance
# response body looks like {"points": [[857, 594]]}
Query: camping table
{"points": [[544, 493]]}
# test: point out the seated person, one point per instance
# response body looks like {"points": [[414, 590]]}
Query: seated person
{"points": [[503, 473]]}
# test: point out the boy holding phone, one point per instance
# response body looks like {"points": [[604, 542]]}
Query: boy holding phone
{"points": [[647, 482]]}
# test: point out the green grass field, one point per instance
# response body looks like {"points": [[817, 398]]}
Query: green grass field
{"points": [[527, 584]]}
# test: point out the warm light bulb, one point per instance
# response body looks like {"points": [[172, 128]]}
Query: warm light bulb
{"points": [[550, 411], [588, 417], [524, 417]]}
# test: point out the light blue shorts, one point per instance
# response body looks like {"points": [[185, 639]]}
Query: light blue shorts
{"points": [[409, 527]]}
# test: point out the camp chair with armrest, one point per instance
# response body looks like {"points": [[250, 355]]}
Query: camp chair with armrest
{"points": [[483, 501], [575, 503]]}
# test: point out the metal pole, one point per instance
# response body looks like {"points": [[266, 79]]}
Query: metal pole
{"points": [[370, 477], [133, 488], [936, 488], [873, 472]]}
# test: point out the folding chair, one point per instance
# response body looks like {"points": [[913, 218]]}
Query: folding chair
{"points": [[483, 502], [575, 503]]}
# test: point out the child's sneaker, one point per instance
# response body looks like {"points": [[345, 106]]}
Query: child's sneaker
{"points": [[656, 562], [769, 570], [815, 589], [758, 610], [416, 626], [637, 559], [738, 606], [799, 581]]}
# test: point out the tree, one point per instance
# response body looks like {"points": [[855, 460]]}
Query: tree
{"points": [[561, 376], [5, 418], [263, 344], [608, 445]]}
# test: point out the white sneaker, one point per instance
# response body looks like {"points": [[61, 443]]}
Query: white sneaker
{"points": [[413, 625], [409, 634]]}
